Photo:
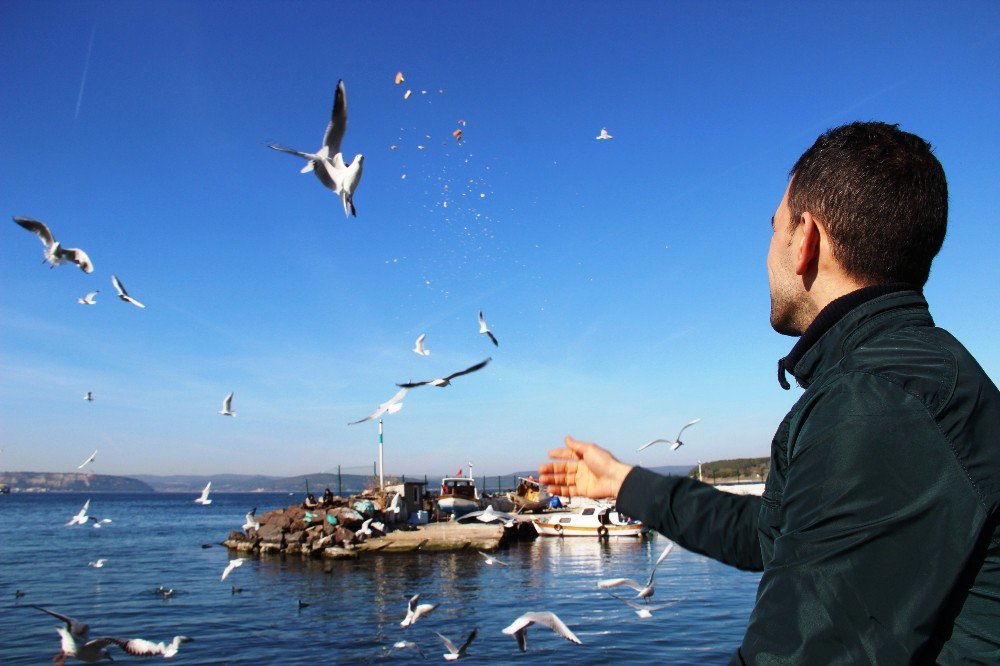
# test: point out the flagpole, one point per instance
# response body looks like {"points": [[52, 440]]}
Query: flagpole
{"points": [[381, 476]]}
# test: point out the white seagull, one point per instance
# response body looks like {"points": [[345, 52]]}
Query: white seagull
{"points": [[227, 406], [604, 134], [203, 498], [328, 162], [122, 294], [644, 611], [394, 505], [237, 562], [89, 298], [484, 329], [98, 564], [139, 647], [492, 560], [250, 522], [402, 645], [491, 515], [55, 253], [643, 591], [519, 628], [418, 348], [89, 397], [81, 517], [674, 443], [414, 612], [390, 406], [366, 527], [445, 381], [98, 521], [93, 456], [454, 653]]}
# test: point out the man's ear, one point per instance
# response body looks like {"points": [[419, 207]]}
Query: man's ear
{"points": [[809, 241]]}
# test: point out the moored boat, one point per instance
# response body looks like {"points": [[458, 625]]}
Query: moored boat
{"points": [[458, 495], [599, 521]]}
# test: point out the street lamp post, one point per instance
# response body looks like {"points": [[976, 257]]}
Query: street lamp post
{"points": [[381, 475]]}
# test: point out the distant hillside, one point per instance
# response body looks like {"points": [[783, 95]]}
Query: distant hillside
{"points": [[185, 483], [739, 469], [95, 483]]}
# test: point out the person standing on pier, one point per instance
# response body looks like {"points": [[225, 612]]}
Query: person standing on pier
{"points": [[878, 533]]}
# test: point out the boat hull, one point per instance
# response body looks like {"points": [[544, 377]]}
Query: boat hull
{"points": [[457, 505], [551, 526]]}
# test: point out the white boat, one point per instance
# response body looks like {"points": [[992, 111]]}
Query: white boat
{"points": [[599, 521], [458, 495]]}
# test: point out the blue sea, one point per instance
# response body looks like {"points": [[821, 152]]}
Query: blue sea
{"points": [[355, 606]]}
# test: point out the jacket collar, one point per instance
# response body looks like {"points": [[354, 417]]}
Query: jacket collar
{"points": [[834, 326]]}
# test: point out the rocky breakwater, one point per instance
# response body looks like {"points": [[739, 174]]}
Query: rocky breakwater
{"points": [[330, 532]]}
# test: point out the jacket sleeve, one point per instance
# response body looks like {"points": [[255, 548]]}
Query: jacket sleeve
{"points": [[697, 516], [876, 523]]}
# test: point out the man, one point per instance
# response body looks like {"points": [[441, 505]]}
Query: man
{"points": [[877, 533]]}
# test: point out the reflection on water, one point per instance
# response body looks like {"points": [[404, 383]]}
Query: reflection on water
{"points": [[355, 605]]}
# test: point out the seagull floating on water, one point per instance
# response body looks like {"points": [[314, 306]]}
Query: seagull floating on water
{"points": [[237, 562], [643, 591], [418, 348], [203, 498], [445, 381], [675, 443], [454, 653], [122, 294], [484, 330], [89, 298], [93, 456], [328, 162], [81, 517], [55, 253], [164, 591], [519, 628], [390, 406], [414, 612], [227, 406]]}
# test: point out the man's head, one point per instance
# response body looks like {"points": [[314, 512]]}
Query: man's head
{"points": [[867, 204]]}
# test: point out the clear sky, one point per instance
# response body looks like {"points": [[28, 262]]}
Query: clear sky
{"points": [[624, 279]]}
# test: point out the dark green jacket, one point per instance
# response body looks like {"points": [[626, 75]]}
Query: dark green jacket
{"points": [[877, 533]]}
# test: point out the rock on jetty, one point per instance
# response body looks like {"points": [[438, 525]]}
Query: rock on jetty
{"points": [[335, 532]]}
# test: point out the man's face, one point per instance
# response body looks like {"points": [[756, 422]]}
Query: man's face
{"points": [[788, 297]]}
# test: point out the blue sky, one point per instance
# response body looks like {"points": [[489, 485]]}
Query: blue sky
{"points": [[625, 279]]}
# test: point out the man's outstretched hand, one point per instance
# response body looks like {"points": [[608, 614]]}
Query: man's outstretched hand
{"points": [[584, 470]]}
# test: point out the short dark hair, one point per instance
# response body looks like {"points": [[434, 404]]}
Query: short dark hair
{"points": [[882, 195]]}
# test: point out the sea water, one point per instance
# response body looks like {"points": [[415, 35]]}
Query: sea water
{"points": [[355, 606]]}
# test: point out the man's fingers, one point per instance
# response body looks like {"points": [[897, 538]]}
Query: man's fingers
{"points": [[563, 454], [576, 446]]}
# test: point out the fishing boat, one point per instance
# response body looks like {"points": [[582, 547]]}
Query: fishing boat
{"points": [[458, 494], [528, 497], [591, 521]]}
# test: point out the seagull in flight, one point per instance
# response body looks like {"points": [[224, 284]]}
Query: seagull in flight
{"points": [[604, 134], [81, 517], [418, 348], [642, 591], [328, 162], [454, 653], [89, 397], [414, 612], [445, 381], [250, 522], [122, 294], [675, 443], [203, 498], [237, 562], [93, 456], [98, 564], [390, 406], [227, 406], [402, 645], [492, 560], [55, 253], [98, 521], [484, 329], [89, 298], [645, 611], [519, 628]]}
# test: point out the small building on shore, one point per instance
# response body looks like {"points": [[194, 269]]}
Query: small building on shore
{"points": [[411, 498]]}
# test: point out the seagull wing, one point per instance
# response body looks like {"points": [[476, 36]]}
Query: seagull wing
{"points": [[477, 366], [615, 582], [552, 621], [468, 642], [410, 385], [290, 151], [649, 444], [338, 120], [118, 286], [482, 323], [688, 425], [227, 404], [447, 643], [37, 228], [137, 647], [79, 630], [78, 257], [134, 302], [492, 338]]}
